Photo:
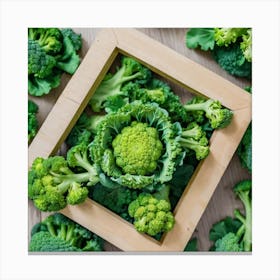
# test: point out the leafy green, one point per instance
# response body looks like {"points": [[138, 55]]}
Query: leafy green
{"points": [[200, 37]]}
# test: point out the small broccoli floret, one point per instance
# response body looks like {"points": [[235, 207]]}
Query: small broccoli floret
{"points": [[194, 138], [112, 84], [50, 39], [75, 38], [151, 215], [218, 116], [57, 233], [137, 149], [52, 185], [228, 243], [32, 120]]}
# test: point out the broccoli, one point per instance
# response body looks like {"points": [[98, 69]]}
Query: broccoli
{"points": [[194, 138], [112, 84], [52, 184], [244, 149], [152, 213], [50, 52], [235, 234], [32, 120], [233, 61], [84, 129], [218, 116], [57, 233], [151, 126], [137, 149], [159, 92], [116, 199]]}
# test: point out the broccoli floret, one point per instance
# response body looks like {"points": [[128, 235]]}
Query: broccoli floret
{"points": [[233, 61], [52, 184], [84, 129], [116, 199], [49, 39], [137, 149], [218, 116], [194, 138], [151, 215], [112, 84], [57, 233], [228, 243], [32, 120], [40, 64]]}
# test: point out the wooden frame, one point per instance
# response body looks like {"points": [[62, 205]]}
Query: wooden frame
{"points": [[179, 69]]}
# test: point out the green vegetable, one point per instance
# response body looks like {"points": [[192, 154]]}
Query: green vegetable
{"points": [[32, 120], [50, 53], [115, 199], [52, 184], [218, 116], [154, 117], [245, 149], [233, 235], [112, 83], [194, 138], [137, 149], [191, 245], [57, 233], [84, 130], [233, 61], [202, 37], [231, 47], [151, 214]]}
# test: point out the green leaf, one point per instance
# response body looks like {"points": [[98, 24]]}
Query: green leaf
{"points": [[200, 37], [191, 246]]}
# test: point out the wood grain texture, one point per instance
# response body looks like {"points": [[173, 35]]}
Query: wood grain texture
{"points": [[223, 201]]}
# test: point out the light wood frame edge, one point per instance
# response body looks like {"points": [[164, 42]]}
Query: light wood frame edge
{"points": [[178, 69]]}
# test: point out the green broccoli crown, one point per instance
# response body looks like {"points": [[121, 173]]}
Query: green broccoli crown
{"points": [[52, 184], [57, 233], [194, 138], [151, 215], [218, 116], [137, 149], [50, 39], [228, 243], [75, 38], [39, 62]]}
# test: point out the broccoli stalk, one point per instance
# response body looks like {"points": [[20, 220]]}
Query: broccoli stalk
{"points": [[194, 138], [243, 191], [218, 116], [112, 84], [52, 184], [57, 233]]}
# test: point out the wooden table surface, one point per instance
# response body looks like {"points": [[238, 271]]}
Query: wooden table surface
{"points": [[223, 201]]}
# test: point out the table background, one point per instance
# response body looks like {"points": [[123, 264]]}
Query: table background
{"points": [[223, 201]]}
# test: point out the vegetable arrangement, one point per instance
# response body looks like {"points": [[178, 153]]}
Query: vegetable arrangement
{"points": [[231, 47], [137, 156]]}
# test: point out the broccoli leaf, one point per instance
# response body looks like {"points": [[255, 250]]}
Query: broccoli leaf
{"points": [[200, 37]]}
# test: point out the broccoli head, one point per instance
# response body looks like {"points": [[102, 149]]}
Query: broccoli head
{"points": [[57, 233], [228, 243], [137, 149], [112, 83], [52, 184], [218, 116], [151, 215], [194, 138]]}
